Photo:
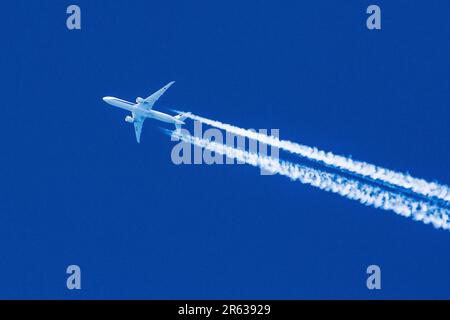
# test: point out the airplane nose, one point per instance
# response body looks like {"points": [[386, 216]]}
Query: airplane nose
{"points": [[108, 100]]}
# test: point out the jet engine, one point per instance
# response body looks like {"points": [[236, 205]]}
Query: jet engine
{"points": [[129, 119], [139, 100]]}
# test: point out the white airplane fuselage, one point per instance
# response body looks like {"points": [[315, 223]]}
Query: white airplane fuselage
{"points": [[138, 111], [143, 109]]}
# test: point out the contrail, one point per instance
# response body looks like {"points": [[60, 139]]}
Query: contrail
{"points": [[419, 186], [351, 189]]}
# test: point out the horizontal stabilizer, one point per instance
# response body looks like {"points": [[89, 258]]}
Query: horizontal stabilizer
{"points": [[182, 116]]}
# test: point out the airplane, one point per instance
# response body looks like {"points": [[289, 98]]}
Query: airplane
{"points": [[143, 109]]}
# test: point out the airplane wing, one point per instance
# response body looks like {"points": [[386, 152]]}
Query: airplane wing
{"points": [[138, 123], [150, 101]]}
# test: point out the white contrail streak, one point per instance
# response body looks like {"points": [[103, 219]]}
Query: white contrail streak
{"points": [[348, 188], [419, 186]]}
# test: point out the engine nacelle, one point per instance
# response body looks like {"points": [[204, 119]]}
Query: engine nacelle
{"points": [[129, 119], [139, 100]]}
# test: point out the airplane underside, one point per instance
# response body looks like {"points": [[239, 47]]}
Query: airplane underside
{"points": [[142, 110]]}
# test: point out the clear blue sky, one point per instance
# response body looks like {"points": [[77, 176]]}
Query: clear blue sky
{"points": [[76, 188]]}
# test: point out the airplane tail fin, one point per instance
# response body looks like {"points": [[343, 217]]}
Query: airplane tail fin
{"points": [[181, 117]]}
